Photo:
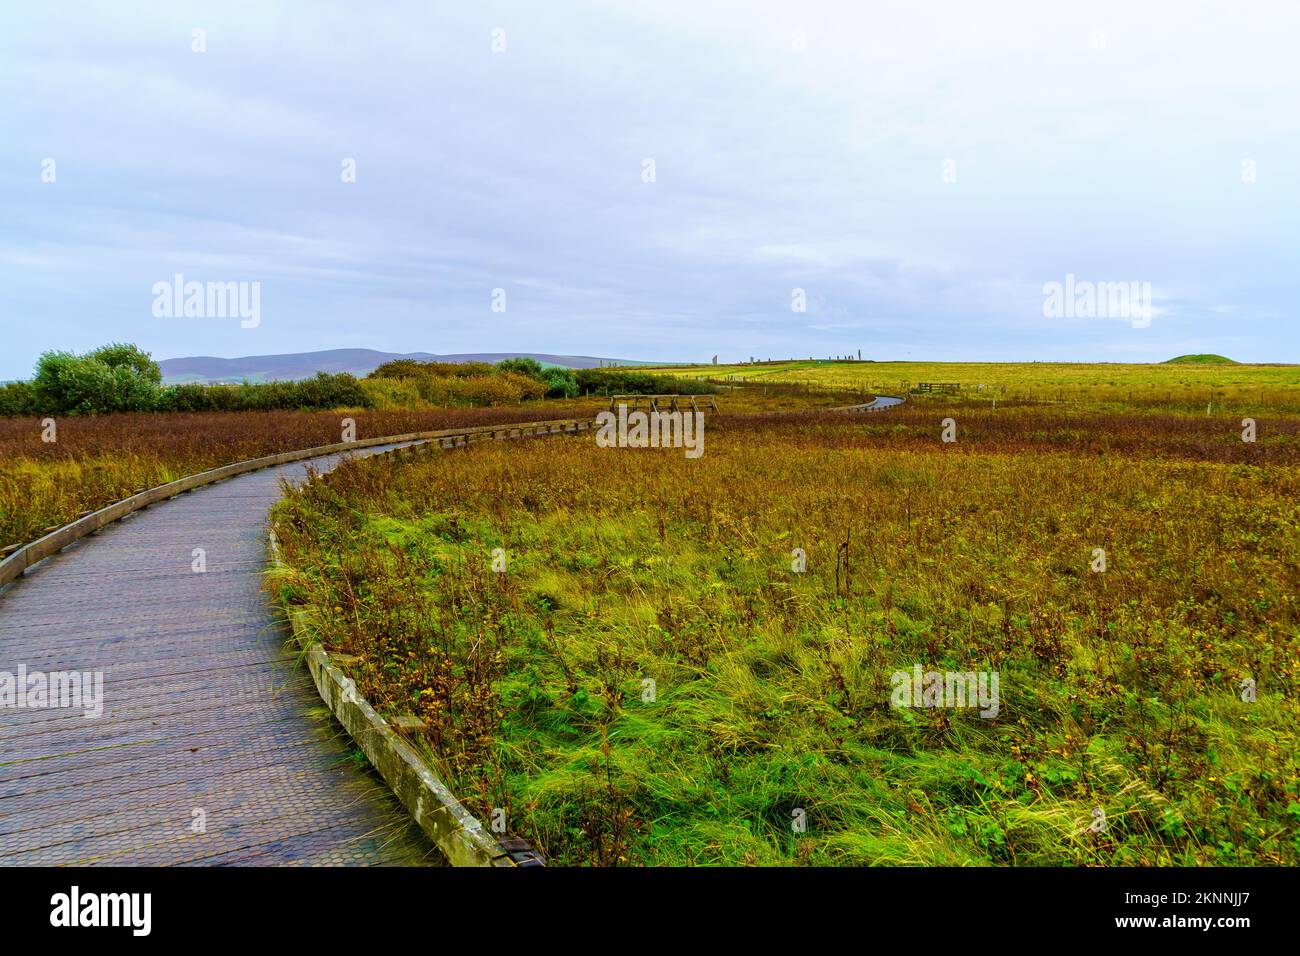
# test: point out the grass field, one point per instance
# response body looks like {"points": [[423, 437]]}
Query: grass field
{"points": [[98, 459], [1191, 387], [650, 680]]}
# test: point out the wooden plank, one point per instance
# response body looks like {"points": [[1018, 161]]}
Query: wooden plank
{"points": [[192, 667]]}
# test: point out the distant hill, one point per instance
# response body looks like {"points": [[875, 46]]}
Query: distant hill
{"points": [[296, 365], [1206, 359]]}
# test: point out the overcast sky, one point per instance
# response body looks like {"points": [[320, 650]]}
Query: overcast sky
{"points": [[796, 145]]}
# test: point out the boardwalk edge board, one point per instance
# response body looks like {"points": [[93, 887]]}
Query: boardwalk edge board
{"points": [[459, 835], [36, 551], [454, 830]]}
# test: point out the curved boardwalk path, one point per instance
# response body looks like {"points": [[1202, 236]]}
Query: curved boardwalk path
{"points": [[879, 403], [213, 746], [208, 722]]}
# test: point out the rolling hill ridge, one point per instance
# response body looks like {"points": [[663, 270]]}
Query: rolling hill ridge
{"points": [[297, 365]]}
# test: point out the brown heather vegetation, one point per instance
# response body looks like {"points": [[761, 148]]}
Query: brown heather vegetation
{"points": [[1028, 428], [1120, 691], [101, 458]]}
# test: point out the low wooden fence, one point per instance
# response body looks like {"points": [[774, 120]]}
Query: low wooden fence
{"points": [[676, 403], [937, 387]]}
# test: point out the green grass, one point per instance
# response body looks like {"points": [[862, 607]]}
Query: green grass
{"points": [[771, 697], [1205, 358], [1249, 389]]}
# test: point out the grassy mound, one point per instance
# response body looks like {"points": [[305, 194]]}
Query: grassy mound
{"points": [[1208, 358]]}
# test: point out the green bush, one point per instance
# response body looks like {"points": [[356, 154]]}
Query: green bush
{"points": [[123, 355], [414, 369], [608, 381], [198, 398], [17, 398], [398, 368], [522, 366], [560, 382], [119, 377], [324, 391], [115, 378], [331, 391]]}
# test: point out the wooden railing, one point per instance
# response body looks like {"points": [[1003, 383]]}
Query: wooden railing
{"points": [[675, 402], [937, 387], [58, 539]]}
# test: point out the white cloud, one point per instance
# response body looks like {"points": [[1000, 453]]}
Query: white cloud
{"points": [[775, 168]]}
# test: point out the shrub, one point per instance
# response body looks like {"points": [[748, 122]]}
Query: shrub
{"points": [[486, 390], [331, 391], [17, 398], [607, 381], [560, 382], [123, 355], [412, 368], [198, 398], [468, 383], [529, 388], [399, 368], [115, 378], [392, 393], [322, 392], [459, 369], [435, 389], [522, 366]]}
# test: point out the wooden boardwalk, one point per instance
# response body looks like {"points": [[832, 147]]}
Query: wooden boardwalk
{"points": [[213, 747]]}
